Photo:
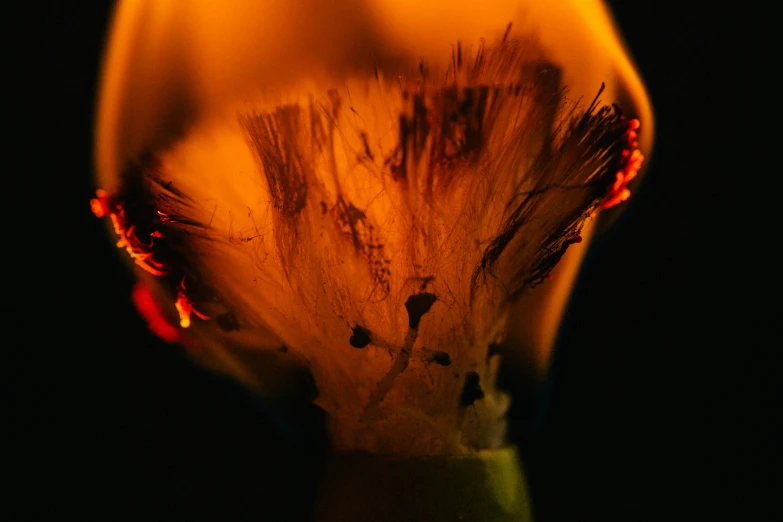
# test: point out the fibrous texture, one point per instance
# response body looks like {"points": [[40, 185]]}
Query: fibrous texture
{"points": [[378, 230]]}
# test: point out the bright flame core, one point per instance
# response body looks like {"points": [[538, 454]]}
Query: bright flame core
{"points": [[178, 73]]}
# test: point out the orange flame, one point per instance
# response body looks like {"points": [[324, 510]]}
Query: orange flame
{"points": [[175, 67], [169, 62], [633, 158]]}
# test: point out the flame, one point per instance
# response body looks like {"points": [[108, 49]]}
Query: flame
{"points": [[170, 62], [174, 68]]}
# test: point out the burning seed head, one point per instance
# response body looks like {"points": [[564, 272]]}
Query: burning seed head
{"points": [[403, 209]]}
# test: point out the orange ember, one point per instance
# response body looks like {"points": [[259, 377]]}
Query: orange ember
{"points": [[185, 307], [632, 162], [142, 253]]}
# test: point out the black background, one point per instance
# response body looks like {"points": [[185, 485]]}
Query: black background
{"points": [[660, 405]]}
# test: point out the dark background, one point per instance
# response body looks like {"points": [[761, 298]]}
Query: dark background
{"points": [[661, 403]]}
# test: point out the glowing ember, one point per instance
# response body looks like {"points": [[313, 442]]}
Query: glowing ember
{"points": [[151, 312], [185, 307], [632, 161], [142, 253]]}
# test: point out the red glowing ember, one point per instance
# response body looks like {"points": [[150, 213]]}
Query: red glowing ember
{"points": [[632, 162], [142, 253], [152, 313]]}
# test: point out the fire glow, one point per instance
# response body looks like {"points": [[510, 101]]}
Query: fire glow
{"points": [[372, 194]]}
